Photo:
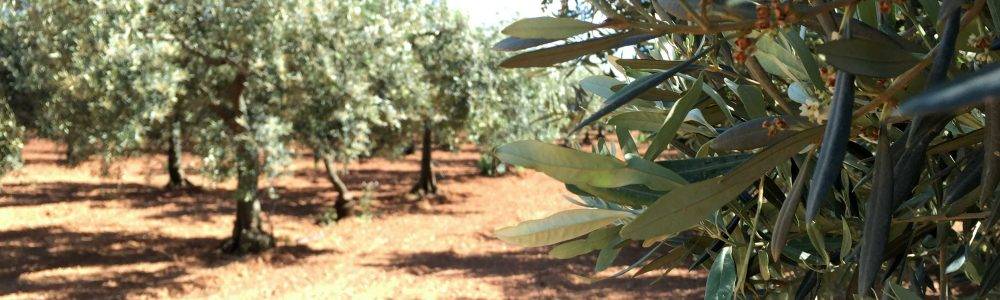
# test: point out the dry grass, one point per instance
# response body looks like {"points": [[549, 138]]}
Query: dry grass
{"points": [[66, 233]]}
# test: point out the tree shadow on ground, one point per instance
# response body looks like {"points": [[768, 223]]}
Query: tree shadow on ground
{"points": [[45, 251], [542, 273]]}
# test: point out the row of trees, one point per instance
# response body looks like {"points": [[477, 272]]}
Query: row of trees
{"points": [[238, 83]]}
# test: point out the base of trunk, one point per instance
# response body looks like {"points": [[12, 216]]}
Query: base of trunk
{"points": [[248, 241], [426, 186], [181, 185], [344, 206]]}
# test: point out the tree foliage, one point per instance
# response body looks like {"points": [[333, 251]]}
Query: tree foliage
{"points": [[243, 83], [811, 146]]}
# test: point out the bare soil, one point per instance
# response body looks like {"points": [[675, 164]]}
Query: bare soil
{"points": [[75, 233]]}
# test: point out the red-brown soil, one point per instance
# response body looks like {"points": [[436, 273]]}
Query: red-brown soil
{"points": [[68, 233]]}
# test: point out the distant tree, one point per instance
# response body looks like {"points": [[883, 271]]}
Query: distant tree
{"points": [[469, 98], [93, 87], [346, 99]]}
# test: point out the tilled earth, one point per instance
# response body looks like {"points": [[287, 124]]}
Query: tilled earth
{"points": [[96, 231]]}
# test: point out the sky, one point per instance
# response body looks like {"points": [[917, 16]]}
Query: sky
{"points": [[497, 12]]}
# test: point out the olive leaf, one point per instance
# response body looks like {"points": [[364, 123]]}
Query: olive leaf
{"points": [[562, 53], [956, 94], [582, 168], [547, 28], [867, 57], [684, 207], [559, 227], [638, 87], [778, 60], [599, 85], [878, 216], [834, 147], [516, 44], [722, 276], [673, 121], [754, 134]]}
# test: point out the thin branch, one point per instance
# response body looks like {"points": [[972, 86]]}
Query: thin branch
{"points": [[758, 74], [944, 218]]}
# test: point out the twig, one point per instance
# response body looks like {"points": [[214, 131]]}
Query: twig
{"points": [[943, 218], [758, 74], [697, 17]]}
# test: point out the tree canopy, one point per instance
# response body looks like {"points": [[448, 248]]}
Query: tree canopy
{"points": [[241, 84]]}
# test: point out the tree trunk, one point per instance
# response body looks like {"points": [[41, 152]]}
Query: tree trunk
{"points": [[344, 204], [70, 159], [427, 184], [174, 152], [248, 233]]}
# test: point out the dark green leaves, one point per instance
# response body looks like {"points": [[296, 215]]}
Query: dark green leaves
{"points": [[674, 119], [957, 94], [867, 58], [562, 53], [684, 207], [877, 217], [834, 146], [636, 88], [786, 215], [547, 28], [698, 169]]}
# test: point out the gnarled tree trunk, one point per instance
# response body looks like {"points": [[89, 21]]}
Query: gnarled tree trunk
{"points": [[427, 184], [344, 204], [248, 233]]}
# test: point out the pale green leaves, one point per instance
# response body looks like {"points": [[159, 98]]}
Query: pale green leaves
{"points": [[582, 168], [547, 28], [598, 239], [559, 227], [722, 276], [779, 60], [600, 85]]}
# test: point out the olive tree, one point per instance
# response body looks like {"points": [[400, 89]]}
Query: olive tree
{"points": [[832, 149], [470, 99], [348, 100], [91, 85]]}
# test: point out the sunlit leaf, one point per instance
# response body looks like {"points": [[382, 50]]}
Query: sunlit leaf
{"points": [[562, 53], [577, 167], [547, 28], [516, 44], [559, 227]]}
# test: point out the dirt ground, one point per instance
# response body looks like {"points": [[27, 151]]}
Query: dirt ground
{"points": [[68, 233]]}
